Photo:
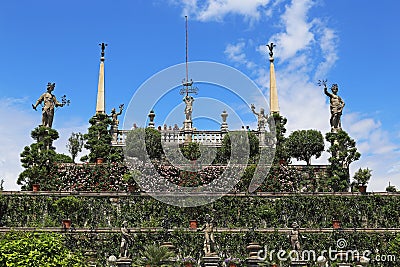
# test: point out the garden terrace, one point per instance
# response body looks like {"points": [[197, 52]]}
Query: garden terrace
{"points": [[368, 221]]}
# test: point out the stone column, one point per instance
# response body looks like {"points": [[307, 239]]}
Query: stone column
{"points": [[211, 261], [253, 248]]}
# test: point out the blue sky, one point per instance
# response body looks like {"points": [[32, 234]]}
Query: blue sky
{"points": [[352, 43]]}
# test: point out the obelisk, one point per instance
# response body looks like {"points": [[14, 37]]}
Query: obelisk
{"points": [[273, 91], [100, 104]]}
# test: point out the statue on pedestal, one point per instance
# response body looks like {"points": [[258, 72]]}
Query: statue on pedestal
{"points": [[49, 102], [261, 118], [125, 241], [209, 241], [336, 106]]}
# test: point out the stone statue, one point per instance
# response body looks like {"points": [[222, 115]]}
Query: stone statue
{"points": [[262, 118], [49, 102], [209, 242], [114, 115], [125, 241], [189, 107], [294, 237], [336, 106]]}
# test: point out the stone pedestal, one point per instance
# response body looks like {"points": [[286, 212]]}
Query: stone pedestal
{"points": [[211, 261], [299, 263], [124, 262], [253, 249]]}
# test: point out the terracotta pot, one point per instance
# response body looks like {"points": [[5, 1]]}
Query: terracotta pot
{"points": [[274, 265], [193, 224], [35, 187], [66, 223], [362, 189], [188, 264], [231, 264], [131, 188], [99, 160], [336, 224]]}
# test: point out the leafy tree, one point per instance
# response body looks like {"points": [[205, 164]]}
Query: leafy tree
{"points": [[281, 153], [303, 144], [75, 144], [135, 147], [224, 152], [62, 158], [191, 151], [98, 141], [38, 159], [37, 250], [343, 152]]}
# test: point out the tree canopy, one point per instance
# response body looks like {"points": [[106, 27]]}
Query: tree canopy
{"points": [[303, 144]]}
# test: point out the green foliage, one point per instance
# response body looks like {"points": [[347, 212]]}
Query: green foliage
{"points": [[62, 158], [153, 255], [75, 144], [68, 206], [303, 144], [191, 151], [343, 152], [98, 141], [281, 153], [37, 250], [135, 147], [362, 176], [38, 159], [250, 145], [391, 188]]}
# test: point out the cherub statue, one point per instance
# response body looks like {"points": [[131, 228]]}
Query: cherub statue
{"points": [[125, 241], [209, 241]]}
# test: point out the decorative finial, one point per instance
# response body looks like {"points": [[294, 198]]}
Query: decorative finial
{"points": [[103, 47], [271, 48]]}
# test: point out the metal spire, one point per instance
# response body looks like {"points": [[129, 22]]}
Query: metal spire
{"points": [[187, 85]]}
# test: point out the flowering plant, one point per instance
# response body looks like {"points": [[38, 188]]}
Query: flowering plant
{"points": [[231, 260]]}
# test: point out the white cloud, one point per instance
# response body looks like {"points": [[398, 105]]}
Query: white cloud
{"points": [[216, 10], [297, 35], [235, 53]]}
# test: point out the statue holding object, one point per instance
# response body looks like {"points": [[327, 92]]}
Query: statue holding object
{"points": [[114, 115], [49, 102], [336, 106], [261, 118]]}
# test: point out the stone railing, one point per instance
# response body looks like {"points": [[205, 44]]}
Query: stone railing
{"points": [[174, 137]]}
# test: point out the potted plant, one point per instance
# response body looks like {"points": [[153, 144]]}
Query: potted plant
{"points": [[153, 255], [188, 261], [361, 177], [232, 262], [67, 208]]}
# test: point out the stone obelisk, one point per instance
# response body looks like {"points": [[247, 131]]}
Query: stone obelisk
{"points": [[100, 104], [273, 91]]}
